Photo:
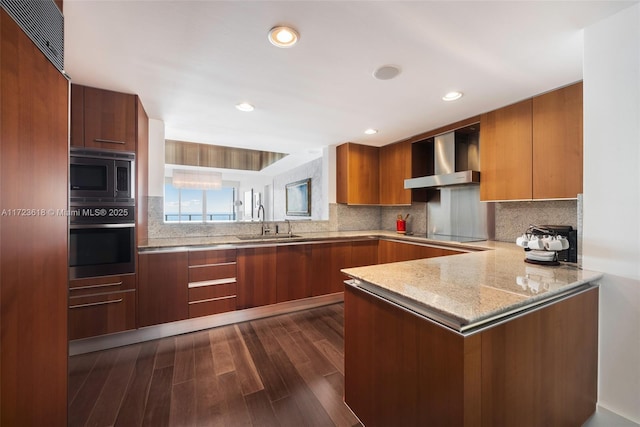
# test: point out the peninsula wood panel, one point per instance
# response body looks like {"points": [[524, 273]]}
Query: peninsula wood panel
{"points": [[395, 167], [506, 153], [34, 138], [557, 143], [256, 280], [162, 287], [399, 369], [357, 174], [536, 369], [542, 368], [327, 259]]}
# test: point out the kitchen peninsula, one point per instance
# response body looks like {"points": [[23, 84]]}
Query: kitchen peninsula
{"points": [[476, 339]]}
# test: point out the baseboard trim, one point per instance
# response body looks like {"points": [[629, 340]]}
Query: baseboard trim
{"points": [[148, 333]]}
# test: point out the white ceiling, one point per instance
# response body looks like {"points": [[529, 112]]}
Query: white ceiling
{"points": [[192, 61]]}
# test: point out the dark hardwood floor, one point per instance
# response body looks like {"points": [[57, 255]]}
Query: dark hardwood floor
{"points": [[285, 370]]}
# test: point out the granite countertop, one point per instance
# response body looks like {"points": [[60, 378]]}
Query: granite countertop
{"points": [[204, 242], [468, 290]]}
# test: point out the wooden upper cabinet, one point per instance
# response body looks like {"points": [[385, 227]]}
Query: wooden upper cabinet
{"points": [[357, 174], [533, 149], [107, 119], [505, 153], [557, 143], [395, 167]]}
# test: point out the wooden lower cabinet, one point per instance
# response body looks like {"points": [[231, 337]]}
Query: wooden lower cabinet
{"points": [[293, 267], [364, 252], [212, 281], [212, 299], [327, 259], [94, 315], [256, 283], [101, 305], [163, 279], [537, 369], [390, 251]]}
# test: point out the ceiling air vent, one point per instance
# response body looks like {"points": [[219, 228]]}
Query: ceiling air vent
{"points": [[43, 22]]}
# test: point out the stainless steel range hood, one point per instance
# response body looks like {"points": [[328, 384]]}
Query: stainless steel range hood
{"points": [[455, 161]]}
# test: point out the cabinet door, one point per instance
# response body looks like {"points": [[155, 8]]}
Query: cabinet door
{"points": [[395, 167], [506, 153], [557, 143], [34, 160], [256, 280], [357, 174], [162, 287], [327, 261], [292, 272], [364, 253], [109, 119]]}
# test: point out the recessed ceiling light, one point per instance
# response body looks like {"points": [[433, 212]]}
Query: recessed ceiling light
{"points": [[283, 36], [386, 72], [452, 96], [371, 131], [245, 106]]}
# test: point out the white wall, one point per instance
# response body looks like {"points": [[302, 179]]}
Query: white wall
{"points": [[156, 157], [319, 205], [611, 234]]}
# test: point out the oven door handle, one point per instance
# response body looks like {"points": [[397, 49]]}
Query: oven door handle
{"points": [[81, 226]]}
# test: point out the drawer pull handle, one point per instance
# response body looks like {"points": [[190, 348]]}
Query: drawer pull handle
{"points": [[92, 304], [109, 141], [212, 299], [103, 285]]}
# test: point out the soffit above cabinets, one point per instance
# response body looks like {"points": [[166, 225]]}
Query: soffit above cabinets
{"points": [[216, 156]]}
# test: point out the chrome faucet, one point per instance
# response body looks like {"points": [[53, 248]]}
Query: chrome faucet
{"points": [[288, 225], [265, 229]]}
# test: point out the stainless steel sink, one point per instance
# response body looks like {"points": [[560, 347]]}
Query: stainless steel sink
{"points": [[268, 236]]}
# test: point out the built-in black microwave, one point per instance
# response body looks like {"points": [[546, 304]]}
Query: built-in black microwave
{"points": [[101, 176]]}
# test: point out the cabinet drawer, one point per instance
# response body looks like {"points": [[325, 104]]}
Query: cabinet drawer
{"points": [[219, 256], [101, 314], [204, 273], [214, 306], [101, 285], [201, 293]]}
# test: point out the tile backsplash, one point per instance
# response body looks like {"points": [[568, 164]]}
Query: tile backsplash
{"points": [[513, 218]]}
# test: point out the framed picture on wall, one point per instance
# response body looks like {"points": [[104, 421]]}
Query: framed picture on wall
{"points": [[298, 195]]}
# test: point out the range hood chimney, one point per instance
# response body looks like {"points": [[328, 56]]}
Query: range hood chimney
{"points": [[455, 160]]}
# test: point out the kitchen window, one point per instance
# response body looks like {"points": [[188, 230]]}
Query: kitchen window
{"points": [[183, 205]]}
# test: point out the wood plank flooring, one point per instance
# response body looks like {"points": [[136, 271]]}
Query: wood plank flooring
{"points": [[285, 370]]}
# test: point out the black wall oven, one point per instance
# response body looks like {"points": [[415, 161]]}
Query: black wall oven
{"points": [[101, 250], [101, 214]]}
